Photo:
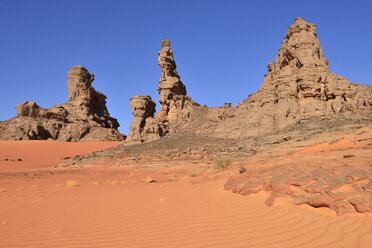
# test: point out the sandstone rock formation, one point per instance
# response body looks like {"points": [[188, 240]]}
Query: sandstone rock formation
{"points": [[175, 104], [144, 126], [84, 117], [298, 85], [305, 135]]}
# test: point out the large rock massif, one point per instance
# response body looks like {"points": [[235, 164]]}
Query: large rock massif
{"points": [[297, 86], [84, 117]]}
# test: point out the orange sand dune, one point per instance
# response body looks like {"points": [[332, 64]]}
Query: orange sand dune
{"points": [[40, 153], [103, 207]]}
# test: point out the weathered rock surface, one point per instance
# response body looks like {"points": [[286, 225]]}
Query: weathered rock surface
{"points": [[84, 117], [297, 86], [144, 126], [308, 162], [175, 104], [316, 175]]}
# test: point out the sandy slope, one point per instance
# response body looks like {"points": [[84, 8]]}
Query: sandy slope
{"points": [[102, 206], [39, 153]]}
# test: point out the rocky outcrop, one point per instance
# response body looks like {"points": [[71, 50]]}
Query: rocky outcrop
{"points": [[83, 118], [297, 86], [175, 104], [144, 126], [300, 84]]}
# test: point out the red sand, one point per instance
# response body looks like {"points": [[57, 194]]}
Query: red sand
{"points": [[39, 154], [323, 147], [103, 206]]}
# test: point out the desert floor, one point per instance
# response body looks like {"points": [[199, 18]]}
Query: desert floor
{"points": [[102, 205]]}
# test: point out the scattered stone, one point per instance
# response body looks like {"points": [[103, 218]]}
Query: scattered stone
{"points": [[349, 156], [19, 159], [242, 170], [153, 181]]}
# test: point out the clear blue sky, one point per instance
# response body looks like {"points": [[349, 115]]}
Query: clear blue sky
{"points": [[221, 48]]}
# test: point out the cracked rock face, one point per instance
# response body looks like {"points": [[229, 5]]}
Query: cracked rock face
{"points": [[301, 50], [84, 117], [297, 86], [300, 84], [144, 126]]}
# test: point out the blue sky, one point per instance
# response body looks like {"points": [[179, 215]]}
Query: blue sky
{"points": [[221, 48]]}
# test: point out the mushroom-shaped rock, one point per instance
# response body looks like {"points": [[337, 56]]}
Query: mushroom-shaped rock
{"points": [[144, 126]]}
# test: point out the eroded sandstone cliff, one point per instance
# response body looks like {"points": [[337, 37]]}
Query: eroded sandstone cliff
{"points": [[299, 85], [84, 117], [175, 104]]}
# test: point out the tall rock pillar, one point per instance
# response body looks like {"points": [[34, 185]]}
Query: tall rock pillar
{"points": [[174, 102]]}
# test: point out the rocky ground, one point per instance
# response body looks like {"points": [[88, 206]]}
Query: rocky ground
{"points": [[320, 162]]}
